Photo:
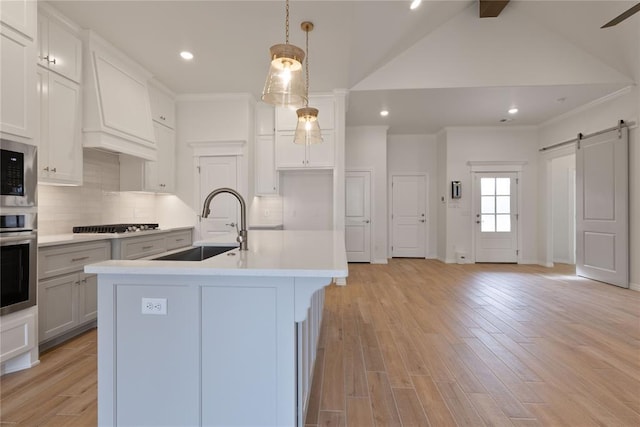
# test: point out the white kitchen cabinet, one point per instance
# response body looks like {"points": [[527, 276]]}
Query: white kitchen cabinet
{"points": [[179, 239], [18, 332], [58, 306], [20, 15], [18, 98], [289, 155], [116, 107], [265, 119], [163, 108], [150, 244], [60, 147], [265, 168], [59, 47], [66, 302], [157, 176], [67, 297], [266, 176]]}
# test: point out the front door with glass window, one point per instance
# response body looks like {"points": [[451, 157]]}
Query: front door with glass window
{"points": [[496, 230]]}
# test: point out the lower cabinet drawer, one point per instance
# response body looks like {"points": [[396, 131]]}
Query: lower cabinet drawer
{"points": [[178, 239], [68, 258], [143, 247]]}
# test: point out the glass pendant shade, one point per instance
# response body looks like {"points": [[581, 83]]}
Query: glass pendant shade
{"points": [[285, 86], [308, 128]]}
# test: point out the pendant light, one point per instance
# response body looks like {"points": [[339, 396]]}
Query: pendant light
{"points": [[308, 128], [284, 86]]}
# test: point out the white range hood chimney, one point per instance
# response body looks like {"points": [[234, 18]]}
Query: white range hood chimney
{"points": [[117, 111]]}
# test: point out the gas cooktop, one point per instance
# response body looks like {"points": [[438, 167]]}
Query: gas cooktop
{"points": [[114, 228]]}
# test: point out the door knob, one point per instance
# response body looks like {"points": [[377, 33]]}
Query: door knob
{"points": [[477, 222], [366, 221], [422, 220]]}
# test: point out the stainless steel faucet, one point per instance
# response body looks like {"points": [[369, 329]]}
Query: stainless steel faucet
{"points": [[242, 232]]}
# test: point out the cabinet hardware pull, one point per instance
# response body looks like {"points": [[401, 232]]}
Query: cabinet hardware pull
{"points": [[79, 259], [46, 58], [144, 248], [46, 169], [53, 170]]}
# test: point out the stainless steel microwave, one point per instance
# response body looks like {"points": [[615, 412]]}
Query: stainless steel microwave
{"points": [[18, 174]]}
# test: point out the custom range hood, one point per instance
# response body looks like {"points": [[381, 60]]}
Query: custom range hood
{"points": [[117, 110]]}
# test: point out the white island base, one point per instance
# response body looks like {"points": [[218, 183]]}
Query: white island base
{"points": [[237, 343]]}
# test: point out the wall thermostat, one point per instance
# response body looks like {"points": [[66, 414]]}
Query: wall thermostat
{"points": [[456, 189]]}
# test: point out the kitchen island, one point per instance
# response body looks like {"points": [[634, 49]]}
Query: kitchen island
{"points": [[227, 341]]}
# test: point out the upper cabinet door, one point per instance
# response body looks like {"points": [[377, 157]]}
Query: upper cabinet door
{"points": [[17, 85], [163, 108], [20, 15], [65, 51]]}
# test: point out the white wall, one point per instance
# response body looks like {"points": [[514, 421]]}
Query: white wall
{"points": [[307, 199], [592, 118], [418, 154], [563, 171], [366, 148], [491, 144]]}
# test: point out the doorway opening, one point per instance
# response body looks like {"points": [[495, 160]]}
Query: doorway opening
{"points": [[563, 209]]}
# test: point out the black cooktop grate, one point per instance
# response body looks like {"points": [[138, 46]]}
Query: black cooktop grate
{"points": [[114, 228]]}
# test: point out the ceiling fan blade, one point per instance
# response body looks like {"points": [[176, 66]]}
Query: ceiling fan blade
{"points": [[618, 19]]}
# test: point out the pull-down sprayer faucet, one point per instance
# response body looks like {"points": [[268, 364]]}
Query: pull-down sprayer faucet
{"points": [[242, 232]]}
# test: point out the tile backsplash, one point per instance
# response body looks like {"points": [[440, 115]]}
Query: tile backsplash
{"points": [[97, 201]]}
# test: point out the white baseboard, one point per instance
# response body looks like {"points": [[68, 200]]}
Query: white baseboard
{"points": [[340, 281], [380, 261], [529, 261], [634, 287]]}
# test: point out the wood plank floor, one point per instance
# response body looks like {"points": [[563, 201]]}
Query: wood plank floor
{"points": [[419, 343]]}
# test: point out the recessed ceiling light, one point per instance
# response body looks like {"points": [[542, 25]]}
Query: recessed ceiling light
{"points": [[384, 113], [513, 110], [186, 55], [415, 4]]}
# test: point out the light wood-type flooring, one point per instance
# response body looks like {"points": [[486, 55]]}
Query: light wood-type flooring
{"points": [[419, 343]]}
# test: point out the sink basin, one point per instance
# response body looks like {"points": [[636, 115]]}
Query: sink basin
{"points": [[197, 253]]}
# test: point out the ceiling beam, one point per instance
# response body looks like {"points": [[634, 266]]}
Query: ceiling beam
{"points": [[491, 8]]}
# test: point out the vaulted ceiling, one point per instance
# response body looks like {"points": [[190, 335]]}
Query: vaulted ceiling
{"points": [[440, 65]]}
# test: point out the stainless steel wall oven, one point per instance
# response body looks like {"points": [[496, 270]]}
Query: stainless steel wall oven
{"points": [[18, 246], [18, 226]]}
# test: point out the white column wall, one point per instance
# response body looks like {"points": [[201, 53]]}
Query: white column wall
{"points": [[441, 195], [563, 209], [418, 154], [366, 148]]}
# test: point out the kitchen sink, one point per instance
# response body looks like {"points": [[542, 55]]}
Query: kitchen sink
{"points": [[196, 253]]}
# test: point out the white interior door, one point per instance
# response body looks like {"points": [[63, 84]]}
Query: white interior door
{"points": [[602, 241], [216, 172], [358, 216], [496, 220], [408, 216]]}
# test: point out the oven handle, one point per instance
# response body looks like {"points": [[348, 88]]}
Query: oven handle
{"points": [[22, 238]]}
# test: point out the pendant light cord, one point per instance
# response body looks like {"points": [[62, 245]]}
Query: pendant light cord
{"points": [[306, 63], [286, 22]]}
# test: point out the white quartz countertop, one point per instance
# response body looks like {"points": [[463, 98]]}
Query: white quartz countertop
{"points": [[60, 239], [274, 253]]}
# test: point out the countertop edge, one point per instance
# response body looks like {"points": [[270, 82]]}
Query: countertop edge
{"points": [[71, 238]]}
